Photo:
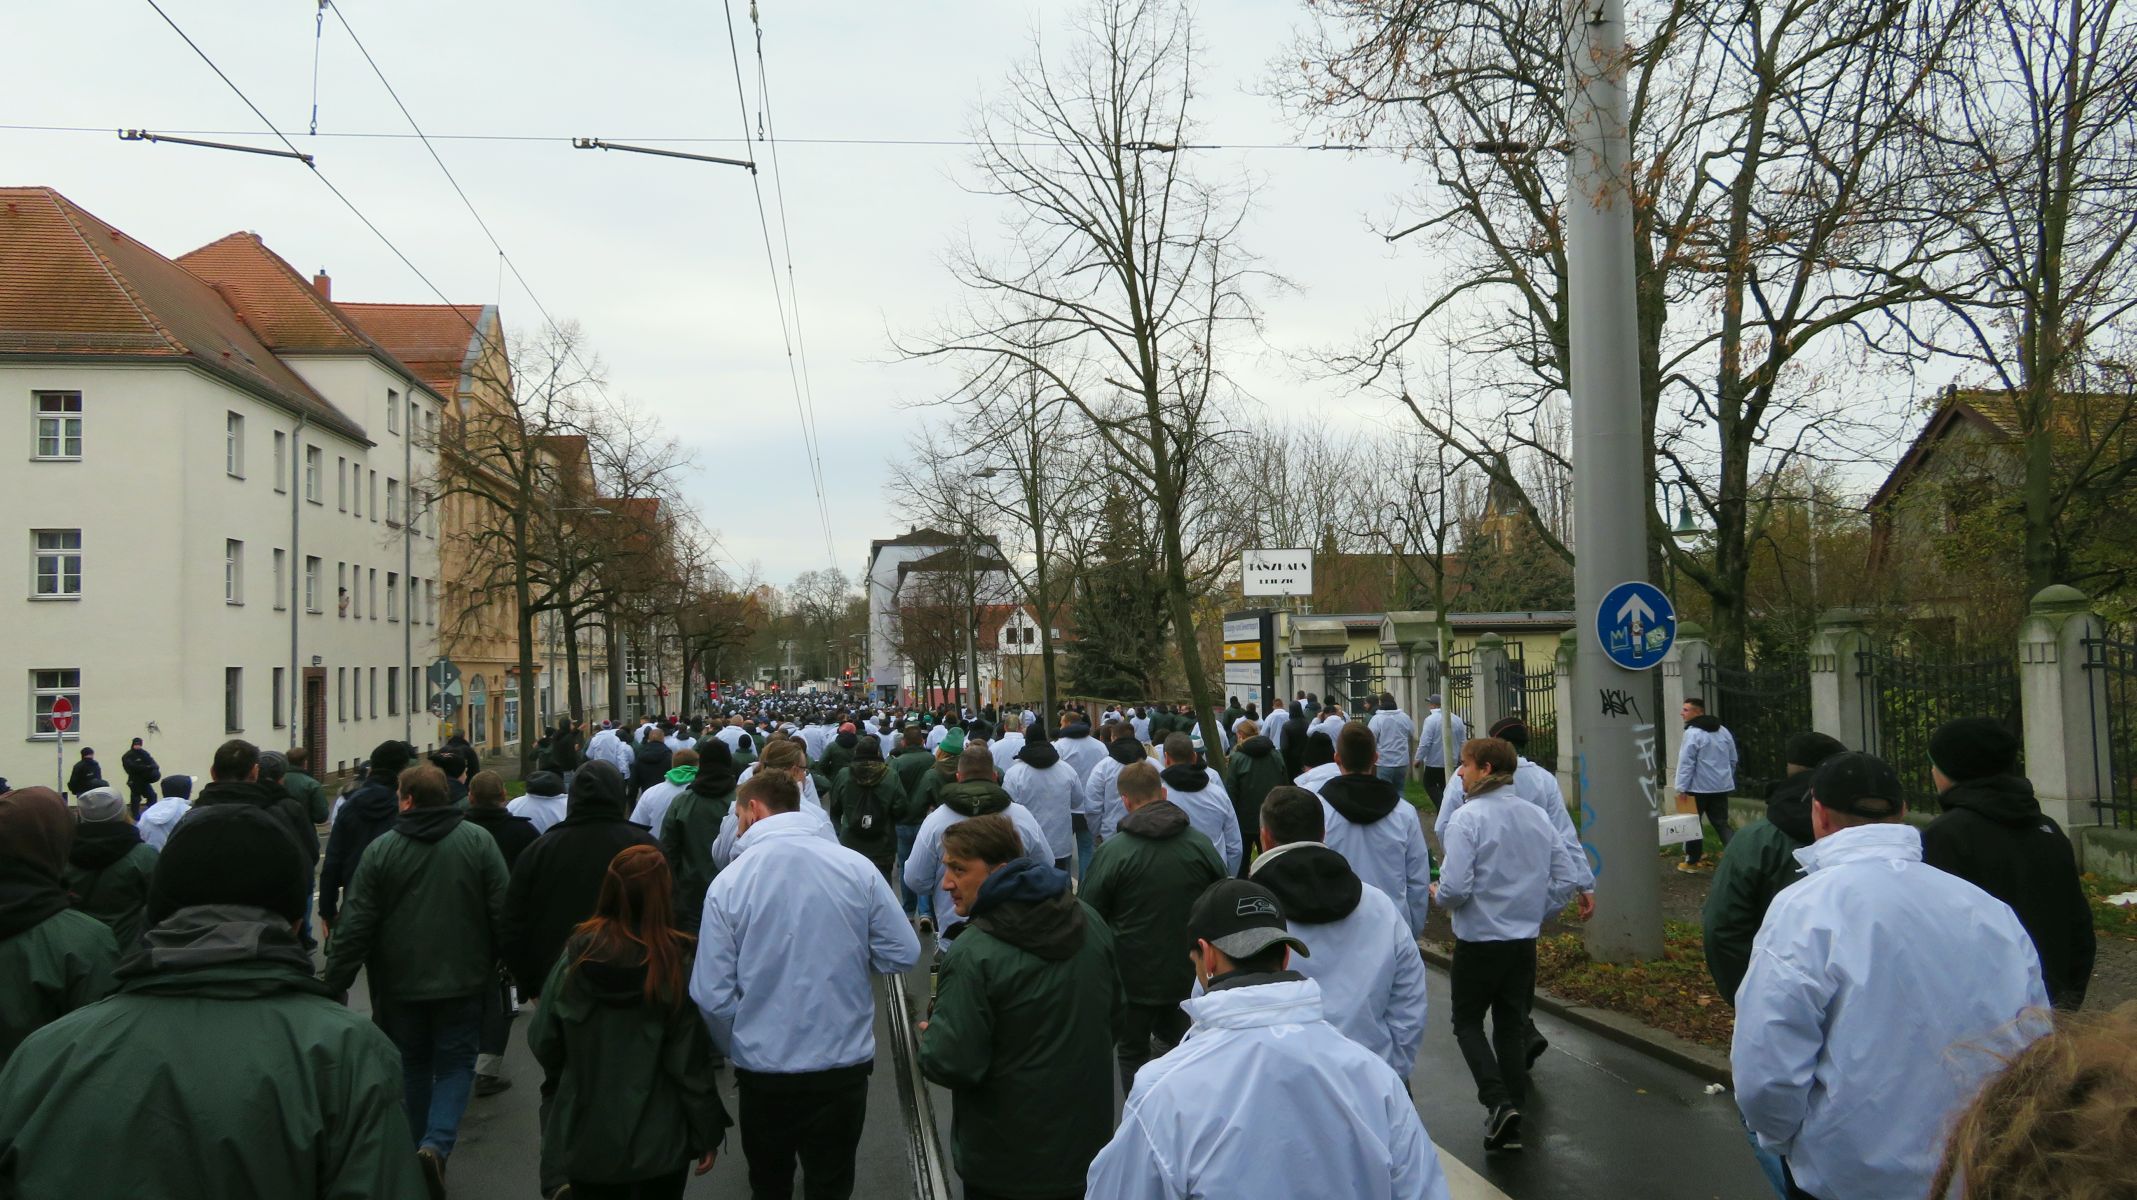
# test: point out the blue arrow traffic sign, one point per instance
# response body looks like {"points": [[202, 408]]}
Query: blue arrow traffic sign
{"points": [[1635, 624]]}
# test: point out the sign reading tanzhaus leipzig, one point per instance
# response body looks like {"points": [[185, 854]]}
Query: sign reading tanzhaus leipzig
{"points": [[1276, 573]]}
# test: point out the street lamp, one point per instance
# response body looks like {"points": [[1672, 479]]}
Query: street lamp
{"points": [[1684, 531]]}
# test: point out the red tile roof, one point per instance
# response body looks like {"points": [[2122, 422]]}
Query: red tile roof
{"points": [[439, 342], [71, 285]]}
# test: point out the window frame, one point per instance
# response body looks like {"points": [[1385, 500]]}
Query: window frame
{"points": [[233, 699], [281, 564], [313, 565], [281, 706], [314, 471], [233, 571], [60, 417], [234, 444], [393, 410], [281, 462], [60, 556], [393, 596], [48, 693]]}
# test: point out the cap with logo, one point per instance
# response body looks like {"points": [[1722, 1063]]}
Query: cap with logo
{"points": [[1858, 784], [1241, 918]]}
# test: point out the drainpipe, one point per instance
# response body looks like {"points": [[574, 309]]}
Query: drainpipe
{"points": [[408, 526], [295, 683]]}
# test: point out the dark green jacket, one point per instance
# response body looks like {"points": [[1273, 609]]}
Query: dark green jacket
{"points": [[220, 1069], [51, 969], [1143, 881], [1255, 767], [843, 803], [686, 837], [108, 870], [928, 792], [913, 765], [424, 911], [1026, 1007], [836, 758], [636, 1094], [1760, 861], [306, 791]]}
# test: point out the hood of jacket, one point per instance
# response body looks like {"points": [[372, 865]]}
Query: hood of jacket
{"points": [[681, 776], [1079, 730], [1126, 751], [228, 951], [867, 773], [1028, 904], [1360, 799], [617, 982], [1788, 806], [1160, 818], [1249, 1005], [596, 791], [36, 831], [240, 791], [1039, 754], [1894, 841], [1704, 721], [428, 824], [1314, 883], [98, 844], [1186, 777], [2004, 799], [847, 741], [714, 782], [975, 798], [1258, 746]]}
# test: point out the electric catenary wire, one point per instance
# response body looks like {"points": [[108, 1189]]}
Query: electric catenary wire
{"points": [[685, 140], [771, 262]]}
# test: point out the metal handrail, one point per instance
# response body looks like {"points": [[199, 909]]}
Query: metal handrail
{"points": [[923, 1144]]}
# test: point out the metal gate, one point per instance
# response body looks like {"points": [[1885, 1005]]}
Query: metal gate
{"points": [[1906, 696], [1762, 707], [1458, 683], [2114, 656], [1539, 709], [1363, 679]]}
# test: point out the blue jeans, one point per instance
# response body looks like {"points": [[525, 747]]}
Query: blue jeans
{"points": [[923, 905], [437, 1040], [1769, 1163], [1395, 775], [1084, 846]]}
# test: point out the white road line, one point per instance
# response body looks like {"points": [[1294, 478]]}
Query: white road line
{"points": [[1465, 1184]]}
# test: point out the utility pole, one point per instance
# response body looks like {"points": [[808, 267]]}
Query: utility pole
{"points": [[1616, 740]]}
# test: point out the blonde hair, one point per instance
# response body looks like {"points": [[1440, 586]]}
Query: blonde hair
{"points": [[2060, 1120]]}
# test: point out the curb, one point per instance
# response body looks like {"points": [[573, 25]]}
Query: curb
{"points": [[1686, 1056]]}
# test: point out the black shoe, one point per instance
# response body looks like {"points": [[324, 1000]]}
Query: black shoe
{"points": [[1537, 1045], [433, 1164], [490, 1085], [1502, 1130]]}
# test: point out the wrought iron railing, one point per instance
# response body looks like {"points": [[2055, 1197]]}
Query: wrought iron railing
{"points": [[1762, 707], [2113, 655], [1906, 696]]}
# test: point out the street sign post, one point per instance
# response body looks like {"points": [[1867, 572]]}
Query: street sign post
{"points": [[1635, 625], [62, 718]]}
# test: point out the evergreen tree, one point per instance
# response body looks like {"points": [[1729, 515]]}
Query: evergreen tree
{"points": [[1120, 609]]}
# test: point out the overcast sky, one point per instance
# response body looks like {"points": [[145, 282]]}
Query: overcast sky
{"points": [[662, 261]]}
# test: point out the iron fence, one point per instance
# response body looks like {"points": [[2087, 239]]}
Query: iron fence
{"points": [[1539, 708], [1906, 696], [2114, 655], [1762, 707], [1458, 683], [1364, 678]]}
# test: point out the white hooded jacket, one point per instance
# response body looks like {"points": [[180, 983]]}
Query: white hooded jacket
{"points": [[1882, 993], [1053, 794], [1306, 1111]]}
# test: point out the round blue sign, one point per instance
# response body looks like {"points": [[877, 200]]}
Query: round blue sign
{"points": [[1635, 624]]}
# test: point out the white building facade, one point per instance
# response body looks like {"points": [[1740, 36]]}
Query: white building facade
{"points": [[217, 537]]}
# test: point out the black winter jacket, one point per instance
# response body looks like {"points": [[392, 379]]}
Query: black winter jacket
{"points": [[512, 834], [365, 817], [650, 764], [557, 879], [1994, 835]]}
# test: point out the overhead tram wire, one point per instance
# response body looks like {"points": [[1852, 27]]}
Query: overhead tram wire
{"points": [[861, 142], [771, 262]]}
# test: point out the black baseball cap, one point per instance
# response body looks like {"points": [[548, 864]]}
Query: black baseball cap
{"points": [[1241, 918], [1859, 784]]}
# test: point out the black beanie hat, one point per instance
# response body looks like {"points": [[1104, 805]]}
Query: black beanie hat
{"points": [[1810, 749], [230, 854], [1974, 748], [391, 756]]}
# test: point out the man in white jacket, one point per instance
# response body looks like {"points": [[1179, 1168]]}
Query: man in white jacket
{"points": [[1365, 957], [1039, 780], [1882, 993], [1222, 1114], [797, 925], [1196, 790], [1375, 830], [1439, 742], [544, 804]]}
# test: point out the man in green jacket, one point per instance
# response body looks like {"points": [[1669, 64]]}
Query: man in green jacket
{"points": [[299, 782], [1759, 861], [53, 959], [1254, 768], [424, 911], [108, 867], [1027, 1001], [1142, 882], [281, 1092]]}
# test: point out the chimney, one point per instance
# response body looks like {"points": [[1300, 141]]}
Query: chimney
{"points": [[323, 285]]}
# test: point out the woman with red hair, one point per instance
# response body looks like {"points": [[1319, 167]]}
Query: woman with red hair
{"points": [[635, 1099]]}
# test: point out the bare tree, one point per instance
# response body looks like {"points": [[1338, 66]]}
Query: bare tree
{"points": [[1125, 266]]}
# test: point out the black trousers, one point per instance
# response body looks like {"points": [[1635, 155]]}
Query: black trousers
{"points": [[139, 796], [1498, 978], [1714, 806], [1436, 784], [660, 1187], [811, 1120], [1146, 1031]]}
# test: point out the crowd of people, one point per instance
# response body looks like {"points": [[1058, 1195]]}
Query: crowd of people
{"points": [[1228, 934]]}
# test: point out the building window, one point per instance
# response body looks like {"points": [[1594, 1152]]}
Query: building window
{"points": [[233, 571], [393, 596], [234, 445], [280, 719], [430, 601], [314, 465], [393, 411], [356, 484], [48, 685], [311, 584], [393, 691], [374, 495], [341, 694], [233, 699], [59, 424], [635, 669], [341, 589], [281, 579], [281, 461], [341, 482], [393, 502], [56, 556], [415, 417], [511, 716], [371, 583], [374, 693]]}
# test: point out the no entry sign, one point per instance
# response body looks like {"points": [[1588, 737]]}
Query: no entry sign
{"points": [[62, 715]]}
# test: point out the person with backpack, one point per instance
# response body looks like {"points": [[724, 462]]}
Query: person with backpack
{"points": [[141, 776], [692, 826], [636, 1098], [913, 764], [868, 804]]}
